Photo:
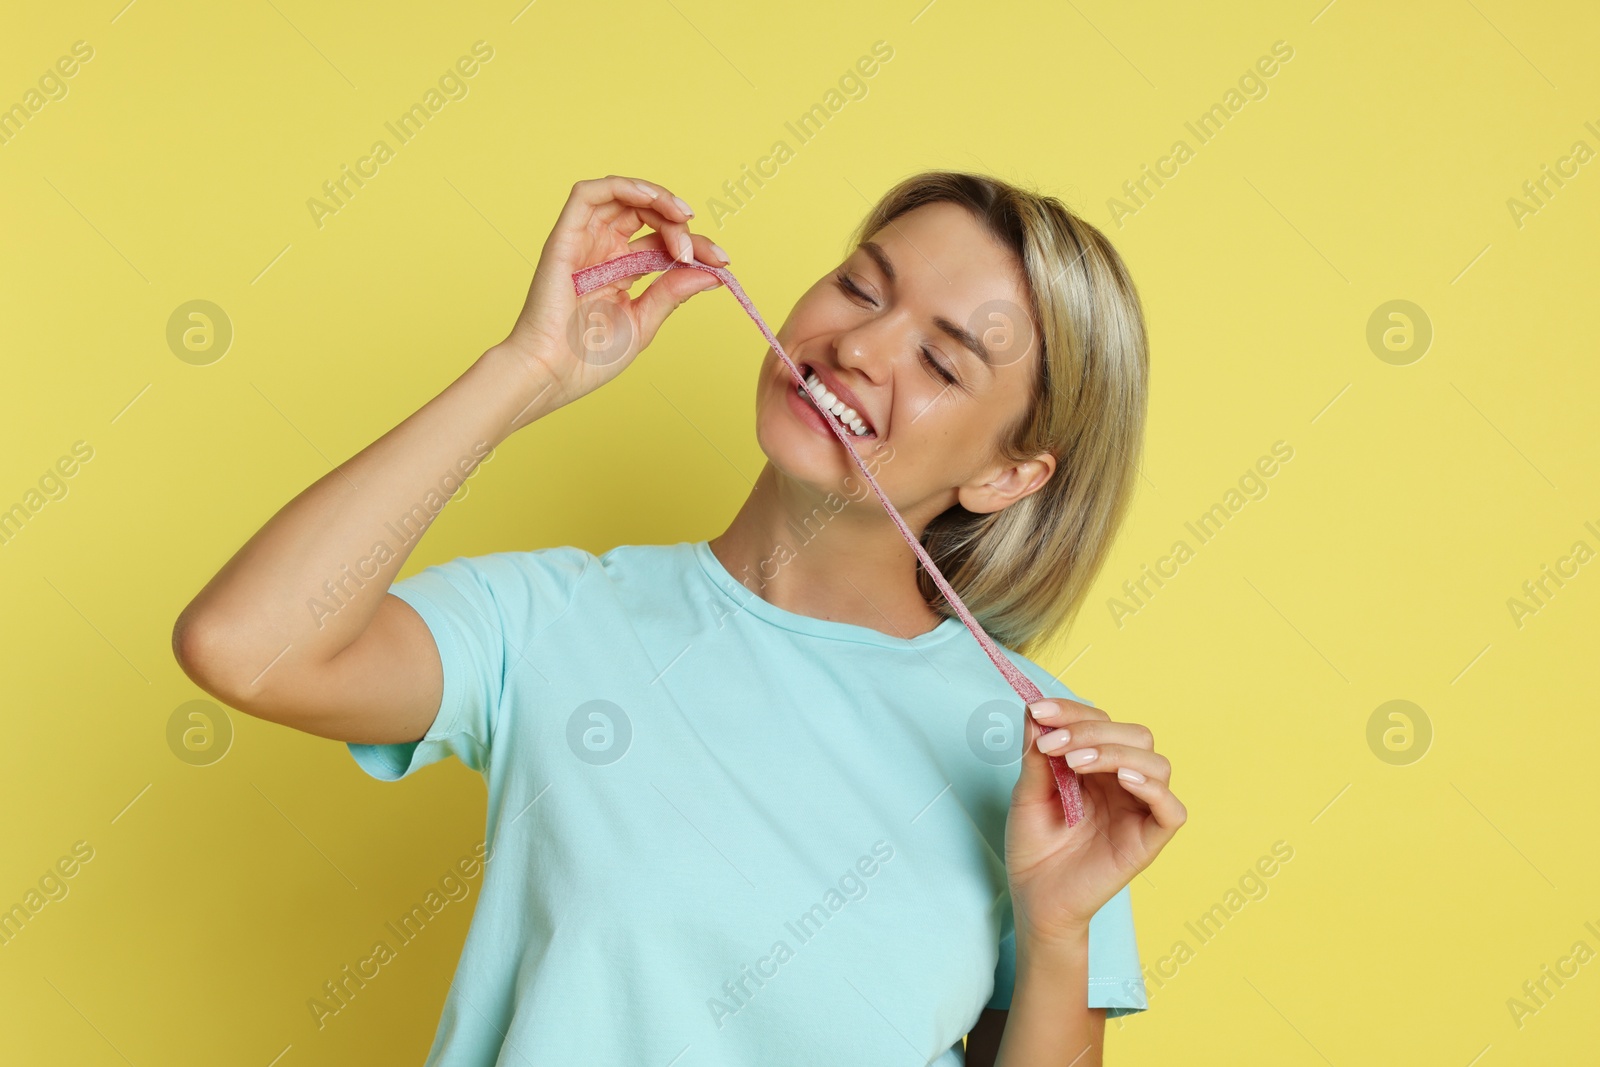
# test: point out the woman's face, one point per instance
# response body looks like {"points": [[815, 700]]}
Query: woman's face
{"points": [[934, 405]]}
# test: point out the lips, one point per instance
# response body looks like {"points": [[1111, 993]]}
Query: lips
{"points": [[839, 390]]}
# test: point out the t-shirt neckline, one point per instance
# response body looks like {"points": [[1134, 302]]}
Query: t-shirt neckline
{"points": [[748, 600]]}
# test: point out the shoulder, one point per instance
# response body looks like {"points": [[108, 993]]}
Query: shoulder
{"points": [[542, 572], [637, 576], [624, 559], [499, 591], [562, 559], [1046, 680], [542, 569], [645, 573]]}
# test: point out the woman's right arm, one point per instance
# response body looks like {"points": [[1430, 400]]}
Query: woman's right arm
{"points": [[267, 636]]}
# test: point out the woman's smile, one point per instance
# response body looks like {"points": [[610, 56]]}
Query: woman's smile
{"points": [[856, 424]]}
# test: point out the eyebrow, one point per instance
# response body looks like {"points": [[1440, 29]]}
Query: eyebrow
{"points": [[966, 337]]}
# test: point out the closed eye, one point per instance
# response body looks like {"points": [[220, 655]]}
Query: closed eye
{"points": [[848, 286]]}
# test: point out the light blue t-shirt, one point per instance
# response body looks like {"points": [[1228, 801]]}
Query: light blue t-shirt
{"points": [[721, 833]]}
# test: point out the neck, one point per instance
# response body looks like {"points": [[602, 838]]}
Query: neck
{"points": [[826, 556]]}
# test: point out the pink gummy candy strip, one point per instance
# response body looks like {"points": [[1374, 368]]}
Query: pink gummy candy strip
{"points": [[648, 260]]}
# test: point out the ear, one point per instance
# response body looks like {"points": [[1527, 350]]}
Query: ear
{"points": [[1007, 485]]}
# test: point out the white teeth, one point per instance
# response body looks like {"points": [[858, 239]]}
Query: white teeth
{"points": [[847, 415]]}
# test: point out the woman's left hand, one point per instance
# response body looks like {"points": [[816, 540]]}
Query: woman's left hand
{"points": [[1060, 875]]}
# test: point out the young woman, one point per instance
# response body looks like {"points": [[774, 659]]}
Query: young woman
{"points": [[756, 800]]}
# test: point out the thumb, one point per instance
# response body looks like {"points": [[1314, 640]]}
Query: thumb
{"points": [[1036, 781], [665, 295]]}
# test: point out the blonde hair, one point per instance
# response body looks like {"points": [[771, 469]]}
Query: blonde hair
{"points": [[1025, 570]]}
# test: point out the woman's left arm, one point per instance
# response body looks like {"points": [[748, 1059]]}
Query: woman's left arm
{"points": [[1060, 875], [983, 1043]]}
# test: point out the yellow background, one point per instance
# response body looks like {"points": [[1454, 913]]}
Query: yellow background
{"points": [[1420, 897]]}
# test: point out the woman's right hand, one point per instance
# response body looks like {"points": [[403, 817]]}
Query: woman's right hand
{"points": [[573, 345]]}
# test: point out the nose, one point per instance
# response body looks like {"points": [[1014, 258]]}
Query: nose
{"points": [[869, 348]]}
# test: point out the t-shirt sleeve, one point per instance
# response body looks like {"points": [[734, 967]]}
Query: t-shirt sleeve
{"points": [[1115, 982], [483, 613]]}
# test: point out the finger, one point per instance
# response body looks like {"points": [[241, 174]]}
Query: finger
{"points": [[612, 197], [1036, 782], [625, 225], [1058, 711], [602, 198], [676, 214], [1086, 733], [704, 250], [656, 192], [1165, 808], [596, 194], [672, 288], [675, 237], [1108, 759], [628, 219]]}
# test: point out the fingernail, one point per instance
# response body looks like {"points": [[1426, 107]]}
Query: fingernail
{"points": [[647, 190], [688, 251], [1054, 741], [683, 206], [1082, 756], [1041, 709], [1128, 774], [725, 257]]}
